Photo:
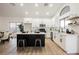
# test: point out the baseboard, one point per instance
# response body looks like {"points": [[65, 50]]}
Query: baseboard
{"points": [[73, 53], [47, 38]]}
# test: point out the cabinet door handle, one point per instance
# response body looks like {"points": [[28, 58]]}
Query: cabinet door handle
{"points": [[60, 40]]}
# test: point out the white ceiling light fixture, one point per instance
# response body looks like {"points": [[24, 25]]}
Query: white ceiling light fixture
{"points": [[47, 13], [37, 13], [26, 12], [36, 5], [21, 4], [50, 5]]}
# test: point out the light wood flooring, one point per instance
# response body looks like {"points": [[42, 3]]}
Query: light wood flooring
{"points": [[9, 48]]}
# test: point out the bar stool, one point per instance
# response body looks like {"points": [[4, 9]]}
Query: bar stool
{"points": [[22, 41], [37, 40]]}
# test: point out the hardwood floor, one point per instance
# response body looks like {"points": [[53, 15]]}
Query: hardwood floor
{"points": [[9, 48]]}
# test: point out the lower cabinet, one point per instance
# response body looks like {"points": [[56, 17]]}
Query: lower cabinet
{"points": [[71, 44], [68, 42]]}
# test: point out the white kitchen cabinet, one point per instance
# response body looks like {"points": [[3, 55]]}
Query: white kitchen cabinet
{"points": [[71, 44], [68, 42], [56, 37]]}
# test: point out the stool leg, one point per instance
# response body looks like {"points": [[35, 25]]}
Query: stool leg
{"points": [[35, 43], [18, 43], [23, 44], [40, 43]]}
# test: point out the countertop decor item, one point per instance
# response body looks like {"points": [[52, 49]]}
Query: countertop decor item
{"points": [[21, 27]]}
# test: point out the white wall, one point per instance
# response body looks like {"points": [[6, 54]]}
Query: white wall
{"points": [[36, 21], [74, 10], [4, 22]]}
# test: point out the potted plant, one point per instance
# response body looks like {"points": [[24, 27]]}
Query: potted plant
{"points": [[21, 27]]}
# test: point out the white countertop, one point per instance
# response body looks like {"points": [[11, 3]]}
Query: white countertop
{"points": [[68, 34], [32, 33]]}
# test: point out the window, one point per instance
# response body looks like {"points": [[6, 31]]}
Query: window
{"points": [[62, 23], [14, 27], [64, 10]]}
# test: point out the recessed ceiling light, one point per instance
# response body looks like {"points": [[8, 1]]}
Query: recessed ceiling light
{"points": [[47, 13], [37, 13], [36, 5], [26, 12], [21, 4], [50, 5]]}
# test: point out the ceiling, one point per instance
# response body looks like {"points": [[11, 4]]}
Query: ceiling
{"points": [[29, 10]]}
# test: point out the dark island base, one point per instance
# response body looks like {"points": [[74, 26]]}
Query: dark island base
{"points": [[29, 40]]}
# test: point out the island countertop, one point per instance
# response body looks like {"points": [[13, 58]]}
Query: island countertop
{"points": [[32, 33]]}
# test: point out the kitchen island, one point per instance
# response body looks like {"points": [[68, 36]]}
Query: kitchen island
{"points": [[29, 39]]}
